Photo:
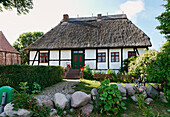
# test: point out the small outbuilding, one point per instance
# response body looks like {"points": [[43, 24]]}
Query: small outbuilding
{"points": [[8, 55]]}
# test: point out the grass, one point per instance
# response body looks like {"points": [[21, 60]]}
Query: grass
{"points": [[159, 109]]}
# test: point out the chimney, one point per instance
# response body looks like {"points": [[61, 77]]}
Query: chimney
{"points": [[99, 16], [65, 18]]}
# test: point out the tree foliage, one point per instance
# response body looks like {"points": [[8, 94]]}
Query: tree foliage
{"points": [[156, 66], [25, 40], [164, 20], [22, 6]]}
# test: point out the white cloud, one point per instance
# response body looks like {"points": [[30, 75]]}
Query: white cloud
{"points": [[131, 9]]}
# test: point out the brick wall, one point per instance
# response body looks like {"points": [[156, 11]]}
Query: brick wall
{"points": [[9, 58]]}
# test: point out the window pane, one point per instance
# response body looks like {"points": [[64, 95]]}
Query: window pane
{"points": [[45, 54], [41, 59], [42, 54], [99, 59], [46, 59], [117, 59], [103, 58], [99, 54], [103, 54], [117, 53], [80, 51]]}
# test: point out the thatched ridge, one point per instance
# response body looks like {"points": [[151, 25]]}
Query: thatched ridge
{"points": [[111, 31]]}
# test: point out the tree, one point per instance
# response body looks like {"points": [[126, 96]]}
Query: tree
{"points": [[22, 6], [25, 40], [164, 20]]}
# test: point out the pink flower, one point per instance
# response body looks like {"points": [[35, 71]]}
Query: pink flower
{"points": [[147, 103], [143, 87], [139, 90]]}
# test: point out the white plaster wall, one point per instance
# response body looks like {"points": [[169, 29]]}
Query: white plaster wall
{"points": [[65, 54], [35, 62], [90, 53], [103, 65], [141, 50], [91, 63], [54, 63], [32, 55], [64, 63], [54, 54], [115, 65], [45, 64], [125, 52]]}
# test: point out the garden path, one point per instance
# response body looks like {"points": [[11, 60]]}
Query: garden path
{"points": [[65, 87]]}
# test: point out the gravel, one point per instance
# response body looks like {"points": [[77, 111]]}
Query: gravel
{"points": [[65, 87]]}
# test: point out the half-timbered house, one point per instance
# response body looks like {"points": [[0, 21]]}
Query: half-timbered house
{"points": [[101, 42]]}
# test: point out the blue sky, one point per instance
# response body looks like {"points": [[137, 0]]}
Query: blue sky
{"points": [[48, 13]]}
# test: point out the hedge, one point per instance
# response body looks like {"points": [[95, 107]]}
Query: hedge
{"points": [[12, 75]]}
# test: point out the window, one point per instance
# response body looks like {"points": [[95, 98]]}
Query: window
{"points": [[43, 57], [131, 53], [115, 57], [102, 57]]}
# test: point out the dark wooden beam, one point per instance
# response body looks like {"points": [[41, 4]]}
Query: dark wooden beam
{"points": [[96, 59], [137, 51], [121, 57], [29, 57], [34, 57], [48, 57], [59, 57], [108, 58], [38, 57]]}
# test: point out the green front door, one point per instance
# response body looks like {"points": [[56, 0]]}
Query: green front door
{"points": [[77, 59]]}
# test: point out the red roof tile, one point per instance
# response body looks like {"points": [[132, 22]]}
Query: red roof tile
{"points": [[5, 46]]}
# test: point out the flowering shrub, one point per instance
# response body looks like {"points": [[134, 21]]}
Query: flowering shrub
{"points": [[110, 99], [142, 105]]}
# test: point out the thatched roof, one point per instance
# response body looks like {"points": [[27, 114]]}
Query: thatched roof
{"points": [[111, 31], [5, 46]]}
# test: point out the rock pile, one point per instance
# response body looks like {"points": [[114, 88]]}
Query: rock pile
{"points": [[82, 100]]}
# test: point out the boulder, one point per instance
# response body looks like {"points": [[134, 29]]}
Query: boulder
{"points": [[87, 109], [95, 96], [61, 100], [152, 92], [134, 98], [122, 90], [130, 89], [148, 100], [48, 103], [44, 99], [21, 112], [79, 99]]}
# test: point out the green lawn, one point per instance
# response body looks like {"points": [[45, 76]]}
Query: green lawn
{"points": [[159, 109]]}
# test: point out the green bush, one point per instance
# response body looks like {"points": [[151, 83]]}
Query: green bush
{"points": [[139, 65], [123, 70], [23, 100], [110, 99], [110, 71], [159, 70], [45, 76], [87, 73]]}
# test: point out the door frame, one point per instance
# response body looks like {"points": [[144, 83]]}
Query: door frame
{"points": [[73, 54]]}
